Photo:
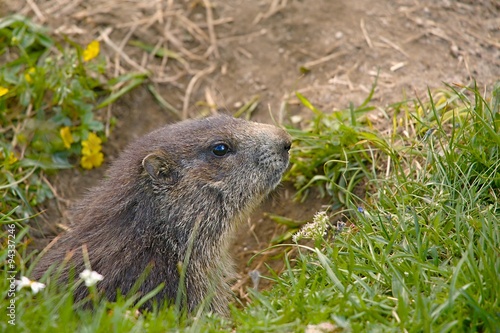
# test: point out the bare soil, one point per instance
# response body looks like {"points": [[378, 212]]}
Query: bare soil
{"points": [[228, 52]]}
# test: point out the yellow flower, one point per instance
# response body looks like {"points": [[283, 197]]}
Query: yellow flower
{"points": [[92, 161], [27, 75], [12, 158], [66, 136], [92, 157], [91, 51], [3, 91], [91, 145]]}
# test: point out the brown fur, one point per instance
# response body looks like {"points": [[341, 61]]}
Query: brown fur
{"points": [[167, 197]]}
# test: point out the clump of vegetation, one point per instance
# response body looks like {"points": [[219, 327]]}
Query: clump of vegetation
{"points": [[335, 152], [48, 100], [338, 150]]}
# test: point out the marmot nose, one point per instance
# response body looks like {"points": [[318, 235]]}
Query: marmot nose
{"points": [[285, 142], [285, 146], [282, 140]]}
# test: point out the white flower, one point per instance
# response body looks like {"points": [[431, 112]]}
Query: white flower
{"points": [[90, 277], [321, 328], [27, 283], [314, 230]]}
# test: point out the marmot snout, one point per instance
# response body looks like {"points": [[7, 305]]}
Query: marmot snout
{"points": [[169, 205]]}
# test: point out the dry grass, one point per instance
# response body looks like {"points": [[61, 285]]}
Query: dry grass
{"points": [[182, 45]]}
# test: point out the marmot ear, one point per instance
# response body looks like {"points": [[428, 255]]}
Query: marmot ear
{"points": [[159, 168]]}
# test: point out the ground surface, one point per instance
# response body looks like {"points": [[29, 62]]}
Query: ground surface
{"points": [[228, 52]]}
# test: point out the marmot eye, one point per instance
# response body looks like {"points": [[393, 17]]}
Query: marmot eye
{"points": [[220, 149]]}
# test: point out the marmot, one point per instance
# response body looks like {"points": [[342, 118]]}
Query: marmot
{"points": [[169, 205]]}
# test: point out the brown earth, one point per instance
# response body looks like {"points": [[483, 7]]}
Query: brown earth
{"points": [[228, 52]]}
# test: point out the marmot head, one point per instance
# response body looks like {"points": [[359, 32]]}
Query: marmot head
{"points": [[238, 158]]}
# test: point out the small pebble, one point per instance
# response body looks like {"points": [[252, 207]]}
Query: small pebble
{"points": [[455, 51]]}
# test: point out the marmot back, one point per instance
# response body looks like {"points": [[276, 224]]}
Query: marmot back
{"points": [[169, 205]]}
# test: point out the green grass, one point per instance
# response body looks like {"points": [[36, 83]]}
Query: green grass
{"points": [[423, 252], [419, 250]]}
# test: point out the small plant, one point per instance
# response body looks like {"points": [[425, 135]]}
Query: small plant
{"points": [[48, 110], [335, 152], [50, 95]]}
